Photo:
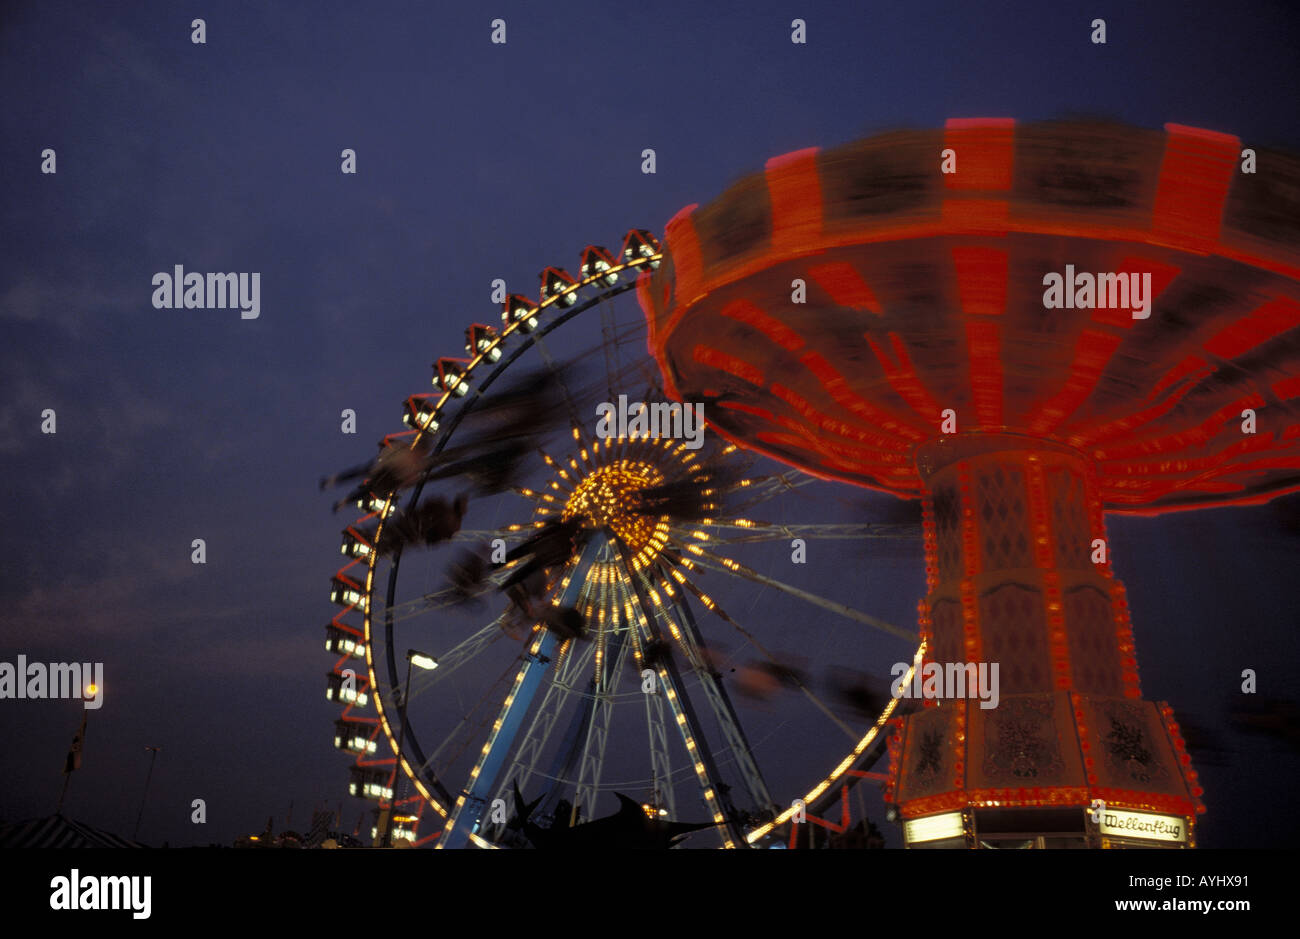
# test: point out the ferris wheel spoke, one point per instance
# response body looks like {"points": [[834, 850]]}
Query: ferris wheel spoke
{"points": [[705, 765], [610, 345], [591, 760], [418, 606], [870, 740], [611, 644], [456, 657], [661, 766], [728, 565], [464, 730], [663, 781], [627, 334], [771, 531], [765, 488], [722, 614], [687, 633], [557, 375], [485, 536], [446, 597], [585, 740]]}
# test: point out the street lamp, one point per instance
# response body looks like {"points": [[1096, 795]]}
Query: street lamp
{"points": [[428, 663], [73, 761]]}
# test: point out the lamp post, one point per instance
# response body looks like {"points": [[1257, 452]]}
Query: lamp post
{"points": [[429, 663], [73, 761]]}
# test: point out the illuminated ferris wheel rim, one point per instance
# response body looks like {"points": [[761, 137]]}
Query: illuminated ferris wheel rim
{"points": [[525, 322], [455, 382]]}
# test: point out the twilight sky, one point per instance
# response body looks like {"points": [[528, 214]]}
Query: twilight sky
{"points": [[475, 161]]}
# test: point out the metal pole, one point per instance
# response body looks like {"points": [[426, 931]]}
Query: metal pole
{"points": [[74, 759], [67, 778], [397, 772], [145, 795]]}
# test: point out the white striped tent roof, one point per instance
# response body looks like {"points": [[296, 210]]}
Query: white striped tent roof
{"points": [[55, 831]]}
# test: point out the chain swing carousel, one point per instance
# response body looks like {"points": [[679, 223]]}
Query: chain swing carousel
{"points": [[930, 361]]}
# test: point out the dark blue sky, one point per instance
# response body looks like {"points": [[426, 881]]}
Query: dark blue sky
{"points": [[475, 161]]}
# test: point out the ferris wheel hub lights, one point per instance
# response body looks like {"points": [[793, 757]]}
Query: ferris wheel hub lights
{"points": [[604, 499]]}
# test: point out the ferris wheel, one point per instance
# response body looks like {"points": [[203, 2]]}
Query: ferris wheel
{"points": [[618, 640]]}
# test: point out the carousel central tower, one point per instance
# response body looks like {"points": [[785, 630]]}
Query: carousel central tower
{"points": [[1018, 573]]}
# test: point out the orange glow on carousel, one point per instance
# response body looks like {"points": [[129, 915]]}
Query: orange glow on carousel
{"points": [[864, 316]]}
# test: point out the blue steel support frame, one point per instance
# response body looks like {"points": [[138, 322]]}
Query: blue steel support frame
{"points": [[467, 813]]}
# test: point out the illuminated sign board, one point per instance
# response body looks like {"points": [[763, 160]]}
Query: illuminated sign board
{"points": [[1143, 825], [934, 827]]}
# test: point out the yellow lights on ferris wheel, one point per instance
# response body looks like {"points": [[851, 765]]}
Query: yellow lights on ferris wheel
{"points": [[632, 601]]}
